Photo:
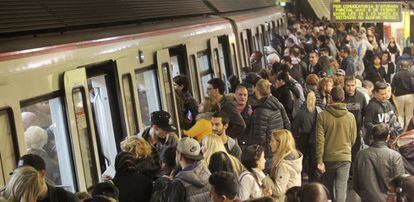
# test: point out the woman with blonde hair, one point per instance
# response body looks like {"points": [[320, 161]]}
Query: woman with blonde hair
{"points": [[212, 144], [287, 164], [202, 127], [25, 185], [147, 161]]}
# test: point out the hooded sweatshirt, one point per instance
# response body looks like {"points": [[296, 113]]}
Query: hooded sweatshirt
{"points": [[336, 132]]}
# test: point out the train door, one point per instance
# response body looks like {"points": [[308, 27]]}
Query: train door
{"points": [[81, 126], [8, 155], [166, 84], [245, 48], [224, 55]]}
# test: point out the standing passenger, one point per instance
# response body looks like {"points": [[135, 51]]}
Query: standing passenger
{"points": [[335, 134], [220, 123], [186, 104], [245, 110]]}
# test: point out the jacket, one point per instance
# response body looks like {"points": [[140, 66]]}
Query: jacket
{"points": [[186, 104], [374, 75], [285, 95], [268, 115], [401, 84], [336, 132], [133, 186], [389, 69], [287, 175], [381, 112], [201, 128], [236, 124], [58, 194], [170, 140], [191, 184], [250, 184], [233, 148], [303, 129], [348, 66], [373, 169]]}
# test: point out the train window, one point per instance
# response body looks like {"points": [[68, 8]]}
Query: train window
{"points": [[166, 78], [129, 103], [233, 46], [206, 72], [85, 141], [175, 66], [46, 135], [148, 95], [7, 154], [220, 54], [194, 78]]}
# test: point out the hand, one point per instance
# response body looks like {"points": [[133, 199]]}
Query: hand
{"points": [[321, 167], [106, 178], [267, 191]]}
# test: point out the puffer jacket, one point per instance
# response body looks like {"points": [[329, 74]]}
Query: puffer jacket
{"points": [[287, 174], [268, 115], [373, 169], [236, 124]]}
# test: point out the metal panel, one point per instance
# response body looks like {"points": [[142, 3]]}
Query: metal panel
{"points": [[238, 5]]}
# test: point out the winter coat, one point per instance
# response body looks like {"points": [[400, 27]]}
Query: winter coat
{"points": [[373, 169], [303, 129], [133, 186], [170, 140], [58, 194], [191, 184], [150, 166], [389, 69], [401, 84], [268, 115], [285, 95], [250, 184], [356, 104], [374, 75], [287, 174], [201, 128], [186, 104], [236, 124], [348, 66], [336, 132]]}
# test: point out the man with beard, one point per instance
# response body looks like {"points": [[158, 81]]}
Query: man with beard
{"points": [[219, 125]]}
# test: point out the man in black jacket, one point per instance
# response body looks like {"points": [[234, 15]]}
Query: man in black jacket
{"points": [[215, 90], [356, 104], [48, 193], [404, 93], [347, 63]]}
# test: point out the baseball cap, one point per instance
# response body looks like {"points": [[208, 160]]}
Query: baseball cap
{"points": [[189, 148], [340, 72], [162, 120]]}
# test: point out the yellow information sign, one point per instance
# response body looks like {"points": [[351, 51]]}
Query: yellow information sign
{"points": [[365, 12]]}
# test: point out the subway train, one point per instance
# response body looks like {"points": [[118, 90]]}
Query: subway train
{"points": [[90, 77]]}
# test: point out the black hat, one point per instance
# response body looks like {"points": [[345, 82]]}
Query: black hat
{"points": [[162, 120], [32, 160], [107, 189]]}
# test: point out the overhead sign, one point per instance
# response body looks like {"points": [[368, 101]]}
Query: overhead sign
{"points": [[365, 12]]}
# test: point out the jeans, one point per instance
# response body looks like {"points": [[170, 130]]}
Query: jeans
{"points": [[336, 179]]}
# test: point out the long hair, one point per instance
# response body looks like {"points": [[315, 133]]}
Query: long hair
{"points": [[286, 146], [311, 101], [24, 186], [213, 144]]}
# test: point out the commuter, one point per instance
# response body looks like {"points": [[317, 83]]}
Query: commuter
{"points": [[298, 69], [159, 135], [104, 192], [401, 189], [406, 56], [147, 161], [313, 67], [268, 115], [312, 85], [25, 185], [336, 132], [256, 61], [220, 161], [191, 183], [304, 131], [220, 123], [380, 110], [347, 63], [375, 72], [389, 67], [223, 187], [49, 193], [186, 104], [325, 86], [339, 78], [36, 138], [132, 185], [251, 179], [314, 192], [245, 110], [169, 168], [212, 144], [286, 166], [394, 49], [29, 119], [356, 104], [215, 90], [202, 127], [234, 81], [284, 94], [371, 175], [369, 87], [404, 93]]}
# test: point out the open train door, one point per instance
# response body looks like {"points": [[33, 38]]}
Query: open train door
{"points": [[166, 85], [81, 128]]}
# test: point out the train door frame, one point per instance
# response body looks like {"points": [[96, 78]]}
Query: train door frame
{"points": [[76, 80], [8, 164], [226, 56], [164, 70]]}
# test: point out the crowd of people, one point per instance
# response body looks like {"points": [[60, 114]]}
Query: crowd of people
{"points": [[333, 105]]}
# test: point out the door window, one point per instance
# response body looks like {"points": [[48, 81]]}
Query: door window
{"points": [[148, 95], [46, 135], [129, 102], [206, 72]]}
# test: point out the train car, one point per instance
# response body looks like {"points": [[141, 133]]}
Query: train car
{"points": [[71, 93]]}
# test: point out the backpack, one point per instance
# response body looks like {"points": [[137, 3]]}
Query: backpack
{"points": [[161, 190]]}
